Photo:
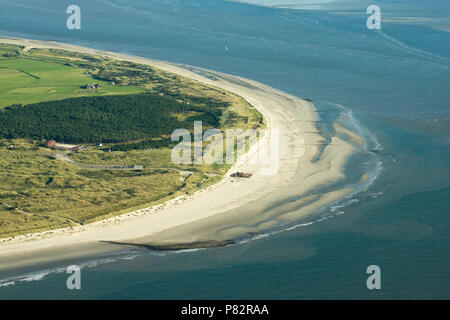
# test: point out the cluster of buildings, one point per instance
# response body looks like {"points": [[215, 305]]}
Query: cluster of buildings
{"points": [[93, 86], [53, 144]]}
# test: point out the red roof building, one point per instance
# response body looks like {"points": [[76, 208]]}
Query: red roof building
{"points": [[51, 143]]}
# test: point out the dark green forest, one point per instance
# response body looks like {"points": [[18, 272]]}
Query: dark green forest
{"points": [[109, 119]]}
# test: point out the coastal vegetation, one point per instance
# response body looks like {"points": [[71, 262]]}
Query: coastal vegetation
{"points": [[105, 119], [124, 123]]}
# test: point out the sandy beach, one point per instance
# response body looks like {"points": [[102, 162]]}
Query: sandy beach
{"points": [[229, 209]]}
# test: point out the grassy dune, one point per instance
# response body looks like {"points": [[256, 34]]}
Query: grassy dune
{"points": [[39, 191]]}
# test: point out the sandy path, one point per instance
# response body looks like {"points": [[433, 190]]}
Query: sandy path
{"points": [[225, 210]]}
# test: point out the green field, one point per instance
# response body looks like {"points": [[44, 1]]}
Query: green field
{"points": [[24, 80], [40, 190]]}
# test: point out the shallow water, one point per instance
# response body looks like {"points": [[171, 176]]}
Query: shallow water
{"points": [[391, 86]]}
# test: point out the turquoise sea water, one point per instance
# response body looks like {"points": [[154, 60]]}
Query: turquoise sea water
{"points": [[392, 85]]}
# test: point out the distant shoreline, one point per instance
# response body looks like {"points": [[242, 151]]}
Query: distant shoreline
{"points": [[210, 216]]}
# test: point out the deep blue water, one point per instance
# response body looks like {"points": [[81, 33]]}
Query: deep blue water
{"points": [[396, 83]]}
